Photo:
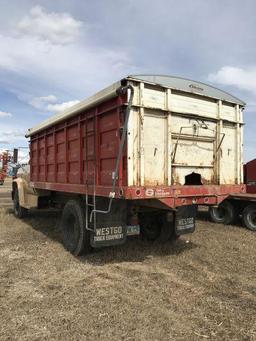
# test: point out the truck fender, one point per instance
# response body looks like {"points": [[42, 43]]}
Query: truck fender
{"points": [[19, 184], [27, 198]]}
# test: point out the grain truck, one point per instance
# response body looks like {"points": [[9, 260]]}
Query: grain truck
{"points": [[136, 157]]}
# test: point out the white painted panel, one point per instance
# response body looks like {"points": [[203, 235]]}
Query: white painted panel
{"points": [[154, 98], [155, 147], [152, 141], [196, 153], [184, 103], [179, 174], [133, 149], [228, 155], [192, 126], [137, 94], [193, 156], [228, 112]]}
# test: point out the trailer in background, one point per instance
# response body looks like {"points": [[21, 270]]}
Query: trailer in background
{"points": [[139, 155], [239, 204]]}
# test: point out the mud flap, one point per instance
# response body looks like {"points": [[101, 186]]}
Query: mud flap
{"points": [[107, 236], [111, 228], [113, 235], [185, 219]]}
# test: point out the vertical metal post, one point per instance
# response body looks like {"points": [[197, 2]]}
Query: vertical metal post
{"points": [[66, 151], [238, 154], [169, 138], [218, 141], [55, 161], [45, 158], [140, 130], [95, 131]]}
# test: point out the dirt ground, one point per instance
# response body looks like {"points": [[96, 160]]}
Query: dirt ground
{"points": [[202, 287]]}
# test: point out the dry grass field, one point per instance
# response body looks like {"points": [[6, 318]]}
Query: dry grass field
{"points": [[203, 287]]}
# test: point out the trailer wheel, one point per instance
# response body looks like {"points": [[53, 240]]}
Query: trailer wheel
{"points": [[223, 214], [19, 211], [76, 239], [249, 217]]}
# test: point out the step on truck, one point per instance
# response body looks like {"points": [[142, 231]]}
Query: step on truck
{"points": [[136, 158]]}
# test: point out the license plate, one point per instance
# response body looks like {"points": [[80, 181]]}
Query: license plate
{"points": [[133, 230]]}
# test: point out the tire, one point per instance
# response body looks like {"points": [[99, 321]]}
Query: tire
{"points": [[76, 239], [223, 214], [150, 226], [167, 229], [249, 217], [155, 226], [19, 211]]}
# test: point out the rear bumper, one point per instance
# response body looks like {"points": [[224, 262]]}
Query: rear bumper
{"points": [[176, 196], [171, 196]]}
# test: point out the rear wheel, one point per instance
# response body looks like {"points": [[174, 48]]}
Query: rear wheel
{"points": [[149, 224], [76, 239], [249, 217], [156, 226], [19, 211], [167, 228], [223, 214]]}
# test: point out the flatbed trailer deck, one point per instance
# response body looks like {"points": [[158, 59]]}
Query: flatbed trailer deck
{"points": [[239, 204], [243, 196]]}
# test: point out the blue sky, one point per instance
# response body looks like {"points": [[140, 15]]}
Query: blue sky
{"points": [[55, 53]]}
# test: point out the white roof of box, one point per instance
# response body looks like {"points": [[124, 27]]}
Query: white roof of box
{"points": [[189, 85], [171, 82]]}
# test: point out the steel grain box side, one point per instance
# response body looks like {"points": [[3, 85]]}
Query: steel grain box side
{"points": [[81, 149]]}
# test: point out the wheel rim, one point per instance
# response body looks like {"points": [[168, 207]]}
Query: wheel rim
{"points": [[150, 227], [252, 219], [151, 230], [220, 212]]}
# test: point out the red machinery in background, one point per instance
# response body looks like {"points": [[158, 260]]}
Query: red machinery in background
{"points": [[5, 157]]}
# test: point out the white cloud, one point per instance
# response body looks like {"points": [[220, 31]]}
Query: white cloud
{"points": [[5, 114], [10, 134], [61, 106], [243, 79], [73, 69], [42, 102], [56, 28], [50, 103]]}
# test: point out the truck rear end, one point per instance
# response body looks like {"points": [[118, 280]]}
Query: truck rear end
{"points": [[140, 154]]}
